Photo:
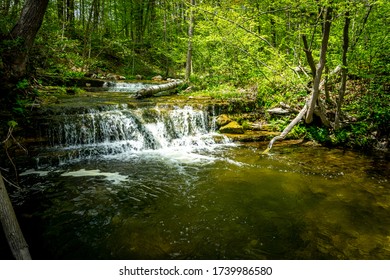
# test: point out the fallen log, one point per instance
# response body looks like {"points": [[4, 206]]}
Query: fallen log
{"points": [[12, 231], [150, 91]]}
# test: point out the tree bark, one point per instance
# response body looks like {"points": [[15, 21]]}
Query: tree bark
{"points": [[190, 36], [23, 34], [309, 56], [320, 66], [13, 233], [148, 92], [344, 70], [70, 10], [287, 129]]}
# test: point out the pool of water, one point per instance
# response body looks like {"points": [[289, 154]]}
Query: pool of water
{"points": [[231, 202]]}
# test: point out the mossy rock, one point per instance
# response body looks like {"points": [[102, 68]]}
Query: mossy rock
{"points": [[223, 120], [232, 128]]}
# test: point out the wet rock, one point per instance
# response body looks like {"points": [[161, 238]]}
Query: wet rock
{"points": [[222, 120], [138, 77], [157, 78], [114, 77], [232, 128]]}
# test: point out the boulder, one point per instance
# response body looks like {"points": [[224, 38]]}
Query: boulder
{"points": [[157, 78], [232, 128], [138, 77], [111, 76], [222, 120]]}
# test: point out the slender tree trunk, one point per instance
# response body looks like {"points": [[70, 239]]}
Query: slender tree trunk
{"points": [[70, 17], [23, 34], [190, 36], [13, 233], [344, 70], [317, 79], [88, 35], [309, 56], [60, 12], [273, 26], [326, 85], [166, 39]]}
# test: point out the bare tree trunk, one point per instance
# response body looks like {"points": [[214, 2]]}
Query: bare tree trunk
{"points": [[344, 70], [70, 9], [190, 36], [317, 79], [326, 85], [309, 56], [24, 33], [287, 129], [166, 40], [11, 228]]}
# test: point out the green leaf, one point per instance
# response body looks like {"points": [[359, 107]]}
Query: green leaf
{"points": [[12, 124]]}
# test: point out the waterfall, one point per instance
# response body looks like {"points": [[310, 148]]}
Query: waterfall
{"points": [[121, 130]]}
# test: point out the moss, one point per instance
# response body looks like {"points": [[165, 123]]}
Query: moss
{"points": [[223, 120], [233, 128]]}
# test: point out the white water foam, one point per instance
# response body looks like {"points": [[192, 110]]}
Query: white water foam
{"points": [[115, 178]]}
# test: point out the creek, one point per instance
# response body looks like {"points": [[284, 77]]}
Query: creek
{"points": [[158, 182]]}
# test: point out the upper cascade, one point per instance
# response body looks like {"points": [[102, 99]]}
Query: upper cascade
{"points": [[123, 86]]}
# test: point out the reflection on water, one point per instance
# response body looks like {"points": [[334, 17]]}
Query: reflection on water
{"points": [[230, 203]]}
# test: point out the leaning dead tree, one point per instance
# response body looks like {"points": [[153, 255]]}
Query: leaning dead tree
{"points": [[313, 103], [150, 91], [12, 231], [296, 120]]}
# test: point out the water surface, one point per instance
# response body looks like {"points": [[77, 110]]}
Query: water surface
{"points": [[228, 202]]}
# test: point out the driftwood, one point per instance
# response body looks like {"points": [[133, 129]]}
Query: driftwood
{"points": [[287, 129], [150, 91], [12, 231]]}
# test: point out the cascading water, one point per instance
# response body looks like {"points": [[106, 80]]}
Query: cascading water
{"points": [[119, 131], [123, 87]]}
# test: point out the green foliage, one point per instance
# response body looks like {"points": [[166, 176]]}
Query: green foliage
{"points": [[319, 134], [223, 91], [23, 84], [12, 124], [340, 137], [20, 106], [279, 124], [298, 131]]}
